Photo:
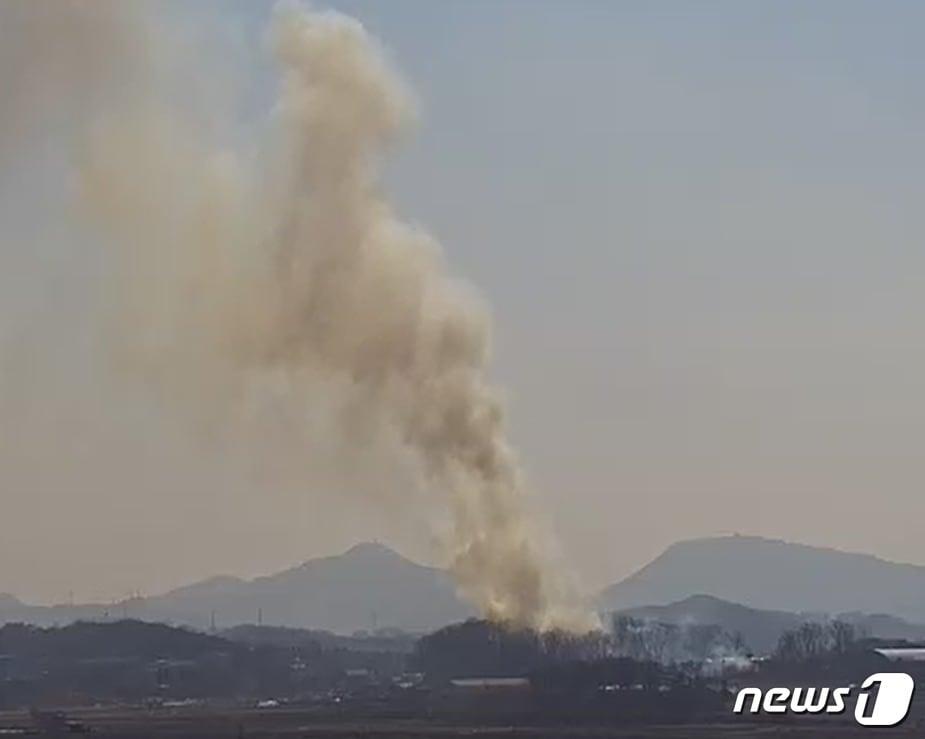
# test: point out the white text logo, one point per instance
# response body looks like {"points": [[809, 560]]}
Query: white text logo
{"points": [[883, 699]]}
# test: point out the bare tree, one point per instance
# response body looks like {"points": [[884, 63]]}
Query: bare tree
{"points": [[811, 639], [842, 636]]}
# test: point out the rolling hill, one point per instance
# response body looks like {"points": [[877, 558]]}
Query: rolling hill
{"points": [[774, 575], [369, 586], [761, 629], [756, 586]]}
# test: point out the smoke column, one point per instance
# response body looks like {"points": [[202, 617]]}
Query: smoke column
{"points": [[265, 275]]}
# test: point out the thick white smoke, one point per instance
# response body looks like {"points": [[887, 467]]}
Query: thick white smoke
{"points": [[271, 275]]}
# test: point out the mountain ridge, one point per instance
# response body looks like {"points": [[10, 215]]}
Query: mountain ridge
{"points": [[369, 586], [761, 629], [773, 574]]}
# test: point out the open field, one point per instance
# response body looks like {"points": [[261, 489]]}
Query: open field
{"points": [[206, 723]]}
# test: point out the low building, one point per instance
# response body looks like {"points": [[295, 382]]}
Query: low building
{"points": [[902, 654]]}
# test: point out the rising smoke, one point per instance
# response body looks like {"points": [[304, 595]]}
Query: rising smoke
{"points": [[268, 274]]}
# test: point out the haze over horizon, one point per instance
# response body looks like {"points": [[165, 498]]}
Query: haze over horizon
{"points": [[698, 232]]}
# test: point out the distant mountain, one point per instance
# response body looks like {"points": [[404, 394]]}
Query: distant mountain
{"points": [[13, 610], [884, 626], [756, 586], [760, 628], [774, 575], [369, 586]]}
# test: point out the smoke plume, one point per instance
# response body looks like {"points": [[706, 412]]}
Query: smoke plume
{"points": [[262, 279]]}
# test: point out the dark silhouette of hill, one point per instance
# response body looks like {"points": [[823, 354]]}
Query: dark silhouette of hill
{"points": [[128, 660], [372, 588], [368, 587], [774, 575], [760, 629], [119, 639]]}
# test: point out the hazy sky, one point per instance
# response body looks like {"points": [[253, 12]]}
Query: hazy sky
{"points": [[698, 226]]}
